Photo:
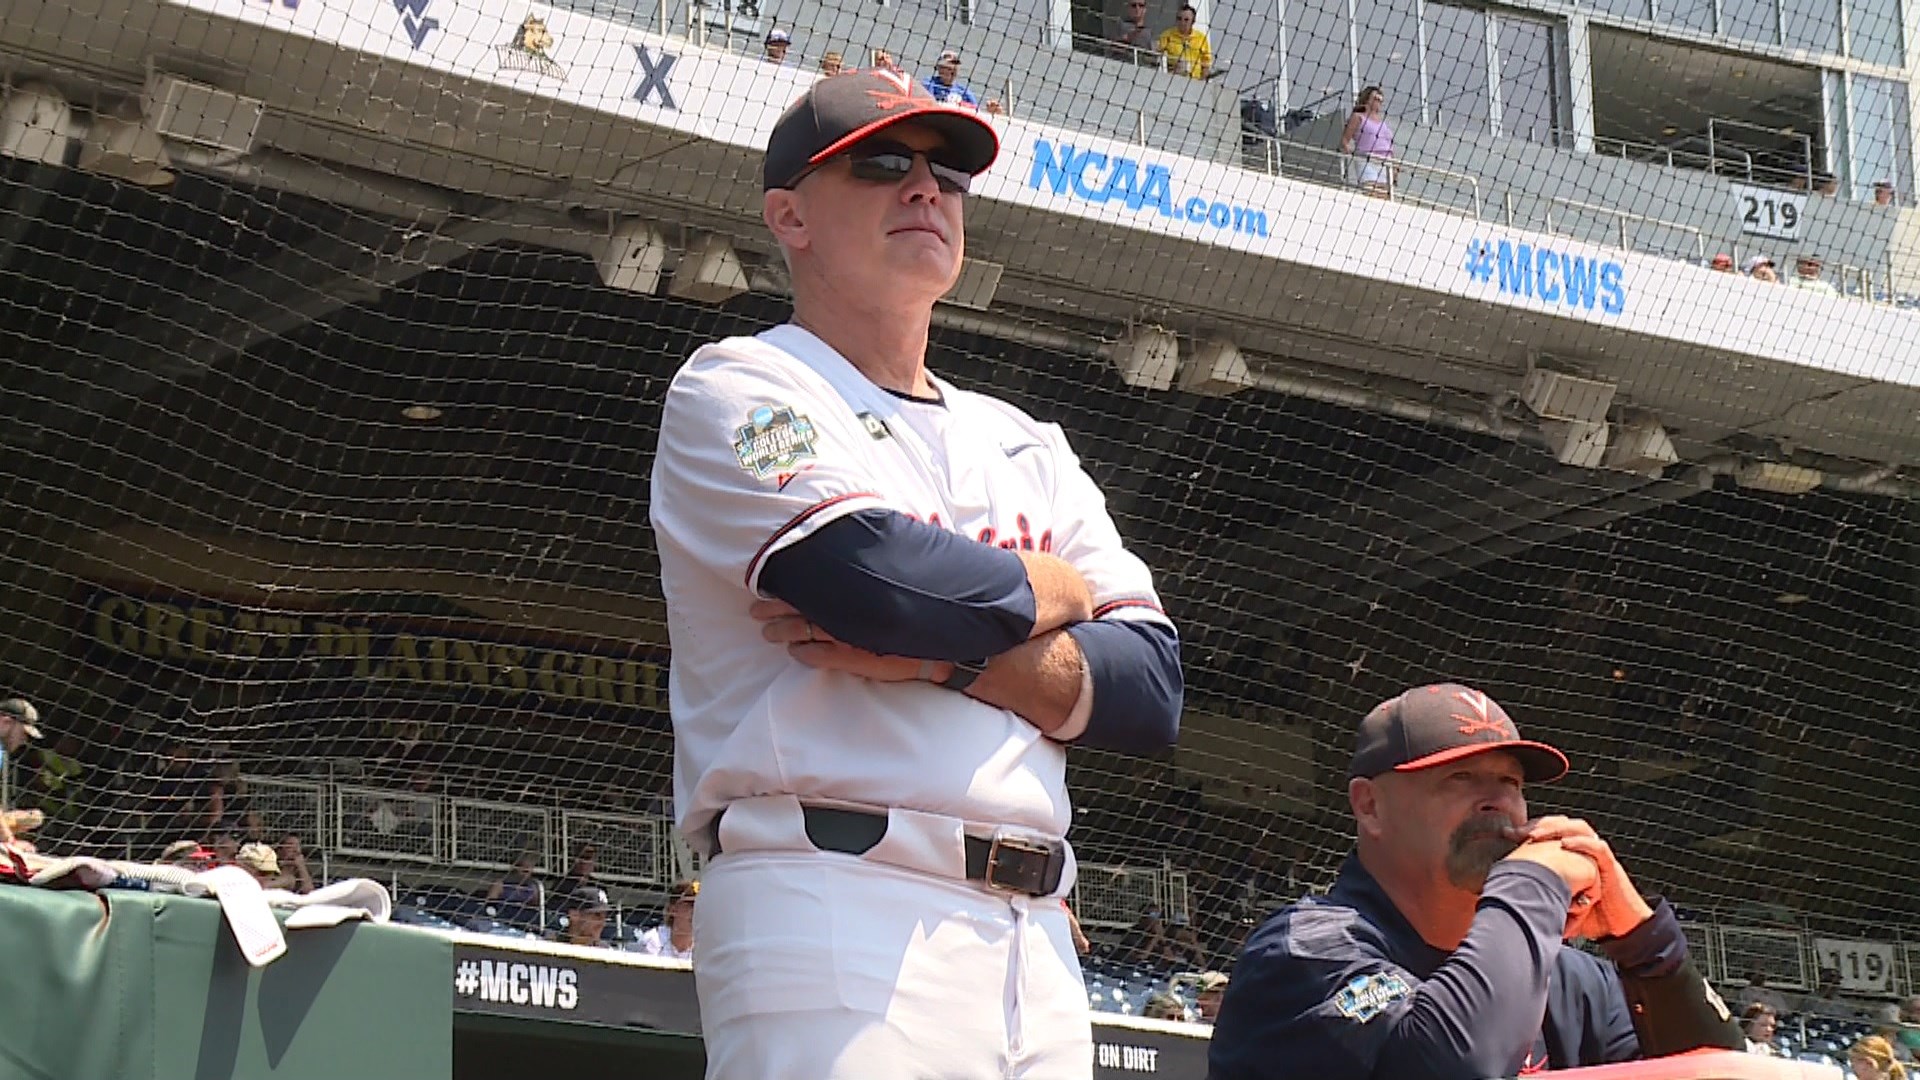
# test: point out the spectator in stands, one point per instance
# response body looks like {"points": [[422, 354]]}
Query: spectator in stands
{"points": [[1806, 275], [187, 855], [1162, 1005], [516, 896], [1145, 942], [587, 908], [1756, 992], [884, 61], [1212, 987], [1883, 193], [1186, 48], [1872, 1058], [832, 64], [673, 938], [1909, 1031], [945, 86], [1723, 263], [226, 849], [777, 43], [1133, 33], [1080, 943], [1369, 137], [1825, 999], [1760, 268], [260, 861], [1825, 184], [1182, 950], [296, 877], [1758, 1021], [580, 876]]}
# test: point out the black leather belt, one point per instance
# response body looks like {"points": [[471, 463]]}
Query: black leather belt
{"points": [[1007, 863]]}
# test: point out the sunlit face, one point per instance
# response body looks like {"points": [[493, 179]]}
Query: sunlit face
{"points": [[831, 64], [886, 243], [947, 70], [1761, 1028], [777, 50], [1765, 272], [1446, 821]]}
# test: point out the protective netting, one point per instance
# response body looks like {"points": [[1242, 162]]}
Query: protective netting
{"points": [[335, 340]]}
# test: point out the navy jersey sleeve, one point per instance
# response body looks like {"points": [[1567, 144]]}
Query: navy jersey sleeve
{"points": [[1588, 1022], [1315, 994]]}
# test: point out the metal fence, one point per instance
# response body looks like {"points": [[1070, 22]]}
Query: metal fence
{"points": [[289, 806], [629, 848], [383, 824], [492, 834]]}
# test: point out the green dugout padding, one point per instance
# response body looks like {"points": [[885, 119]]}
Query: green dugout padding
{"points": [[138, 986]]}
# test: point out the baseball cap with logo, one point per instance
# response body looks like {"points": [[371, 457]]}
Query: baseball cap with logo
{"points": [[840, 111], [589, 899], [22, 710], [1434, 725]]}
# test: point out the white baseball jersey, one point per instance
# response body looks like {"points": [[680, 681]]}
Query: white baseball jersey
{"points": [[764, 440]]}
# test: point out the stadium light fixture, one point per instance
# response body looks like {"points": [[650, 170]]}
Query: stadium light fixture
{"points": [[1791, 598], [1640, 445], [36, 124], [630, 257], [1146, 357], [421, 412], [201, 115], [1215, 369], [1554, 395], [120, 144], [709, 273], [1580, 443]]}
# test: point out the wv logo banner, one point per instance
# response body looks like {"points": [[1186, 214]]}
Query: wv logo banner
{"points": [[413, 16]]}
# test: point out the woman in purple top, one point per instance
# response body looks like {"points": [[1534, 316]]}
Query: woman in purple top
{"points": [[1370, 138]]}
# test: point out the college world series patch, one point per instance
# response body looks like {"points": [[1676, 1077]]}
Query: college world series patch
{"points": [[773, 440], [1367, 996]]}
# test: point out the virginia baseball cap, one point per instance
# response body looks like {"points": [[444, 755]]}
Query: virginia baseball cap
{"points": [[840, 111], [22, 710], [1434, 725]]}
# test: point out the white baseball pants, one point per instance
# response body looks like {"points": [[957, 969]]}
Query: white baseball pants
{"points": [[823, 966]]}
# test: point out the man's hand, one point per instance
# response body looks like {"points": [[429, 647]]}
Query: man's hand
{"points": [[781, 624], [1579, 871], [1617, 908]]}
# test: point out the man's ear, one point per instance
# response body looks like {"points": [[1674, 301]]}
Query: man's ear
{"points": [[785, 215], [1364, 795]]}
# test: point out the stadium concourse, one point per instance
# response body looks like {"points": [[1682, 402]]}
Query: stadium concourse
{"points": [[335, 339]]}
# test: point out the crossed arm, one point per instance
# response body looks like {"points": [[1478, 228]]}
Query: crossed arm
{"points": [[886, 598]]}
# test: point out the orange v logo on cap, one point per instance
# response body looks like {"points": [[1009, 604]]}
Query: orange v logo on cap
{"points": [[890, 102], [1481, 723]]}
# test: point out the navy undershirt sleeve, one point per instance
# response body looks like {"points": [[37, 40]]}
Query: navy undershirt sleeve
{"points": [[881, 581], [1137, 684], [1480, 1012]]}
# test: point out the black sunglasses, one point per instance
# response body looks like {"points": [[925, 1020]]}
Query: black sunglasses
{"points": [[890, 163]]}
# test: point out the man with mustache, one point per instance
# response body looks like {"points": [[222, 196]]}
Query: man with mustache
{"points": [[1439, 951]]}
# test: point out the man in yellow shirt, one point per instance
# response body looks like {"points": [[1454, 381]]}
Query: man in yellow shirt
{"points": [[1186, 49]]}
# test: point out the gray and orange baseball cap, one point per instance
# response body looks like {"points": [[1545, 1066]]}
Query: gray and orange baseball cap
{"points": [[1433, 725], [840, 111]]}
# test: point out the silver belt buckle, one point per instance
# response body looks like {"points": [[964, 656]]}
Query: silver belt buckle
{"points": [[1017, 864]]}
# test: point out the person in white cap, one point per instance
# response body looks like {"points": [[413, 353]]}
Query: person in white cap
{"points": [[945, 85], [1760, 268], [778, 41]]}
